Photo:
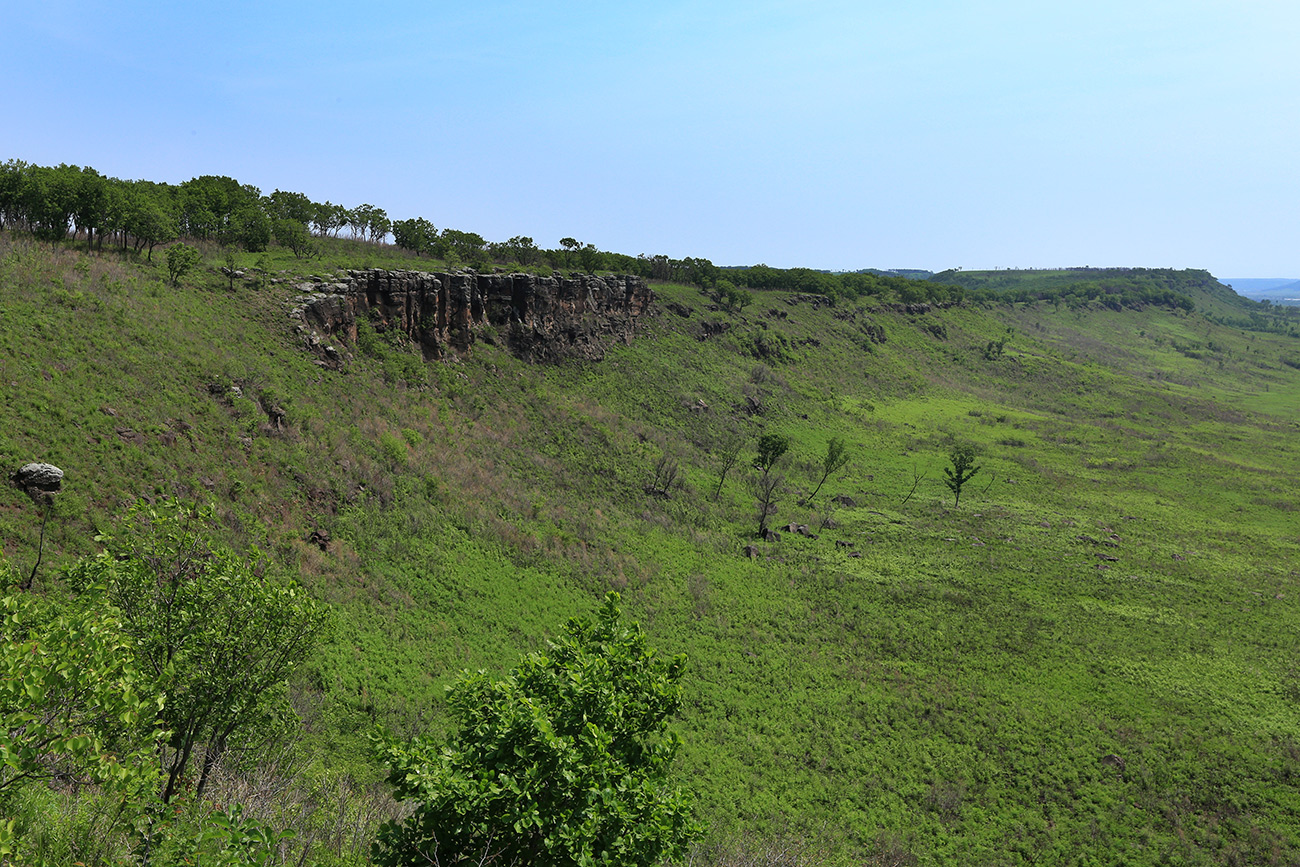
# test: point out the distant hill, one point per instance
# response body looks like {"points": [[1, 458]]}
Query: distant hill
{"points": [[909, 273], [1279, 290], [1116, 288]]}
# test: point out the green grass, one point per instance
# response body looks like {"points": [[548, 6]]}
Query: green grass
{"points": [[1121, 577]]}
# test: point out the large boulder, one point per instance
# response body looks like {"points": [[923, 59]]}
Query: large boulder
{"points": [[39, 481]]}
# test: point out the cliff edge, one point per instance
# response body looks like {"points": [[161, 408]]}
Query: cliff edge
{"points": [[538, 318]]}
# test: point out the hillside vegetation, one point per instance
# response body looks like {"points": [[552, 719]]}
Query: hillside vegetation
{"points": [[1090, 661]]}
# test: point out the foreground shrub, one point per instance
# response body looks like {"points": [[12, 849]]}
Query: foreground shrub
{"points": [[565, 761]]}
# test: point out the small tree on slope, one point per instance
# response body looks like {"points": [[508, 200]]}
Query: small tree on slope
{"points": [[962, 469]]}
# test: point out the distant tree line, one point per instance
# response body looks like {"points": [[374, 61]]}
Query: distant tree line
{"points": [[849, 286], [56, 203], [1114, 288]]}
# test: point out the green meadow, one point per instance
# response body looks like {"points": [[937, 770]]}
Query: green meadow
{"points": [[1091, 661]]}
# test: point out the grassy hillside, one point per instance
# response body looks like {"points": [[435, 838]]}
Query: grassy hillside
{"points": [[1091, 661]]}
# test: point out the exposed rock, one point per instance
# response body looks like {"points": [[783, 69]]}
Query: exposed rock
{"points": [[38, 481], [713, 329], [770, 535], [751, 551], [538, 318], [696, 406], [844, 500]]}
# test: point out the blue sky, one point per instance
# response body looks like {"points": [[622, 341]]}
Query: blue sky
{"points": [[922, 134]]}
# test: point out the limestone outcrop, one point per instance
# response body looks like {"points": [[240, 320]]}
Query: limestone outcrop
{"points": [[537, 318]]}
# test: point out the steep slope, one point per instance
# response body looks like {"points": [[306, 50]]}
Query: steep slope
{"points": [[1092, 656]]}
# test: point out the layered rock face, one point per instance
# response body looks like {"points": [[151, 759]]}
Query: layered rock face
{"points": [[538, 318]]}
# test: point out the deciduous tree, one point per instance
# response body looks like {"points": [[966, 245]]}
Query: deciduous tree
{"points": [[771, 448], [293, 235], [728, 450], [147, 216], [215, 635], [834, 460], [416, 234], [589, 258], [291, 206], [181, 259]]}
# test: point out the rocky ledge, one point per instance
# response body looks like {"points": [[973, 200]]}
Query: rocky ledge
{"points": [[537, 318]]}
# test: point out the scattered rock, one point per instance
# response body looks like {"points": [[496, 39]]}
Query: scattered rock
{"points": [[751, 551], [844, 500], [697, 406], [320, 538]]}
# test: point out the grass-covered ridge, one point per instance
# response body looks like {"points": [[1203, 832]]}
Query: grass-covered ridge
{"points": [[946, 687]]}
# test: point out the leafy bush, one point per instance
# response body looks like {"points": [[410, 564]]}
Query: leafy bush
{"points": [[564, 761]]}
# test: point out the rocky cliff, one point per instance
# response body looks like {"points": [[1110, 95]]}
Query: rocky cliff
{"points": [[537, 318]]}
